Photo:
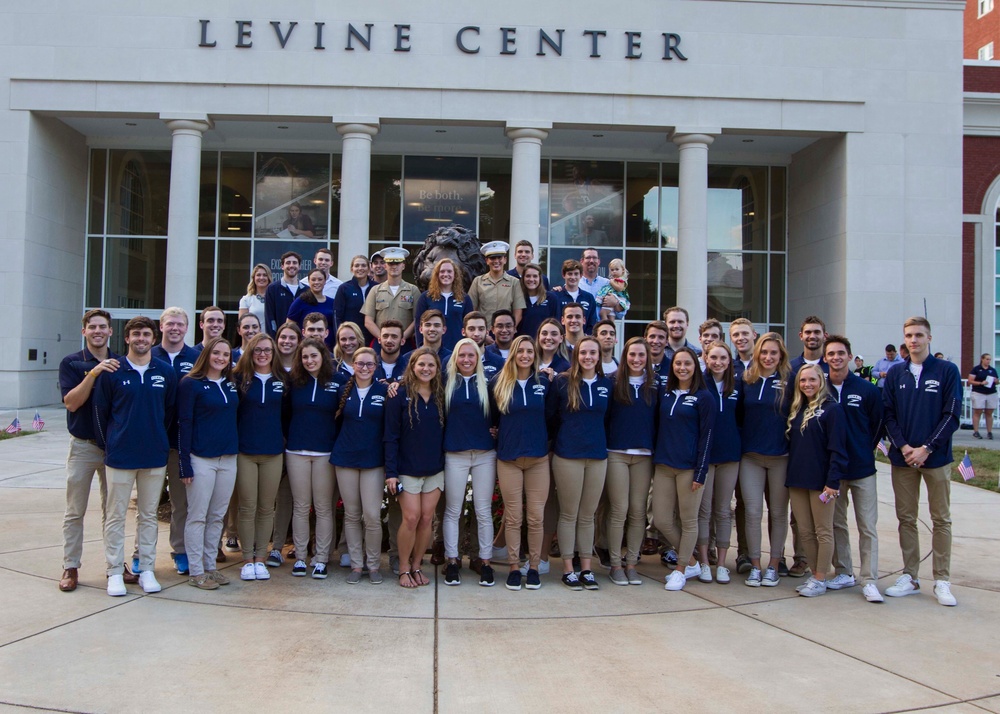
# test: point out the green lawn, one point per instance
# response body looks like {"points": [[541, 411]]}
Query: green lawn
{"points": [[986, 462], [5, 435]]}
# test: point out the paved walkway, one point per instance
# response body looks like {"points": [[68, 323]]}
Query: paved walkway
{"points": [[303, 645]]}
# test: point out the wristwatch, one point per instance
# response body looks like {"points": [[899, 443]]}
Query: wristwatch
{"points": [[928, 449]]}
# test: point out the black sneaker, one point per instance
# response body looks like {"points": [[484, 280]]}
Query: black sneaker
{"points": [[589, 581], [299, 569], [486, 577], [533, 582], [669, 558], [782, 569], [572, 581], [605, 557], [232, 544], [514, 580], [743, 564], [989, 435], [451, 576]]}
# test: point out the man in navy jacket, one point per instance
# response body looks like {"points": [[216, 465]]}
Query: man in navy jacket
{"points": [[132, 408], [923, 400], [281, 293], [862, 406]]}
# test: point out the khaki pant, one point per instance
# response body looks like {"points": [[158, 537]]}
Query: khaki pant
{"points": [[758, 472], [313, 483], [362, 490], [717, 504], [84, 460], [257, 479], [627, 486], [864, 492], [906, 487], [674, 500], [579, 483], [815, 520], [208, 497], [526, 478], [148, 485]]}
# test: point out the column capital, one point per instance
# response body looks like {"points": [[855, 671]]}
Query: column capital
{"points": [[187, 122], [516, 133], [693, 137], [369, 129]]}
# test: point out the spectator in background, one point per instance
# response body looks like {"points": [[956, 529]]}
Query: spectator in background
{"points": [[881, 368], [983, 380]]}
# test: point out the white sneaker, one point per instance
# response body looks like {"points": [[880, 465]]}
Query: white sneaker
{"points": [[871, 593], [261, 571], [705, 575], [543, 567], [692, 571], [116, 586], [722, 575], [248, 572], [942, 589], [841, 581], [676, 580], [148, 582], [905, 585], [812, 588]]}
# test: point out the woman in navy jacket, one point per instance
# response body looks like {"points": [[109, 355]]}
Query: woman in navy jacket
{"points": [[681, 455], [261, 383], [447, 294], [358, 456], [581, 397], [349, 339], [351, 297], [724, 461], [469, 449], [313, 300], [762, 413], [631, 436], [414, 458], [817, 461], [550, 341], [521, 410], [314, 396], [539, 302], [207, 403]]}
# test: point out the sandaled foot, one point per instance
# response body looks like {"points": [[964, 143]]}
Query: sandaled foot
{"points": [[419, 578], [406, 580]]}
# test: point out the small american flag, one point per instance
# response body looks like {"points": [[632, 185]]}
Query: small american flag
{"points": [[883, 449], [38, 423], [14, 427], [965, 468]]}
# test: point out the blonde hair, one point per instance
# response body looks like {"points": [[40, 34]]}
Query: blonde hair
{"points": [[752, 373], [338, 354], [503, 383], [479, 378], [252, 285], [799, 400], [621, 263]]}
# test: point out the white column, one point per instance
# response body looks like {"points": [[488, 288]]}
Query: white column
{"points": [[355, 188], [524, 184], [692, 228], [182, 218]]}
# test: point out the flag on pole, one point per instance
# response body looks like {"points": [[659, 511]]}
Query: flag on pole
{"points": [[965, 468], [37, 423], [883, 449], [14, 427]]}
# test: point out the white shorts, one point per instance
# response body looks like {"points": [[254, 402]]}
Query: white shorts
{"points": [[985, 401]]}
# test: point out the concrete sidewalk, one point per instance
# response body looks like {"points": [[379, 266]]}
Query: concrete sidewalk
{"points": [[293, 644]]}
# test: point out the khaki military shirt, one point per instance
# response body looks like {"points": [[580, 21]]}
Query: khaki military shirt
{"points": [[382, 305], [489, 295]]}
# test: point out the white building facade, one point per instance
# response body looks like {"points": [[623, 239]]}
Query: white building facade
{"points": [[769, 160]]}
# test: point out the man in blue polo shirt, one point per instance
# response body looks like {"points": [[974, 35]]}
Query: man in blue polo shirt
{"points": [[923, 401], [78, 373], [132, 407]]}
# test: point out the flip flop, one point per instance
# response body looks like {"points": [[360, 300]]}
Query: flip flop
{"points": [[420, 578], [409, 577]]}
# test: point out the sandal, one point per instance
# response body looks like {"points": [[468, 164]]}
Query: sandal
{"points": [[409, 577], [418, 577]]}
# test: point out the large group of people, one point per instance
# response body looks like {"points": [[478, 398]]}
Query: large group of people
{"points": [[397, 402]]}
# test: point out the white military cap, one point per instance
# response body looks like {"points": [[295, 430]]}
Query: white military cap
{"points": [[495, 247], [393, 255]]}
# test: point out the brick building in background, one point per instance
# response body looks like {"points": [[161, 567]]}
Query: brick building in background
{"points": [[982, 30]]}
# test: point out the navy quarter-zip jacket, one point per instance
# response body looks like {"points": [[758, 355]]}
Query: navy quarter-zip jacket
{"points": [[684, 436], [132, 413], [523, 430], [862, 405], [313, 425], [633, 426], [762, 413], [924, 414], [726, 442], [454, 312], [260, 417], [417, 448], [581, 434], [466, 427], [361, 430], [206, 421], [818, 457]]}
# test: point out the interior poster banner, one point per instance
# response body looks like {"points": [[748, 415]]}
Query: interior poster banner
{"points": [[438, 191]]}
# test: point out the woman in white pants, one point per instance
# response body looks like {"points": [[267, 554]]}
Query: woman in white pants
{"points": [[207, 403], [469, 448]]}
